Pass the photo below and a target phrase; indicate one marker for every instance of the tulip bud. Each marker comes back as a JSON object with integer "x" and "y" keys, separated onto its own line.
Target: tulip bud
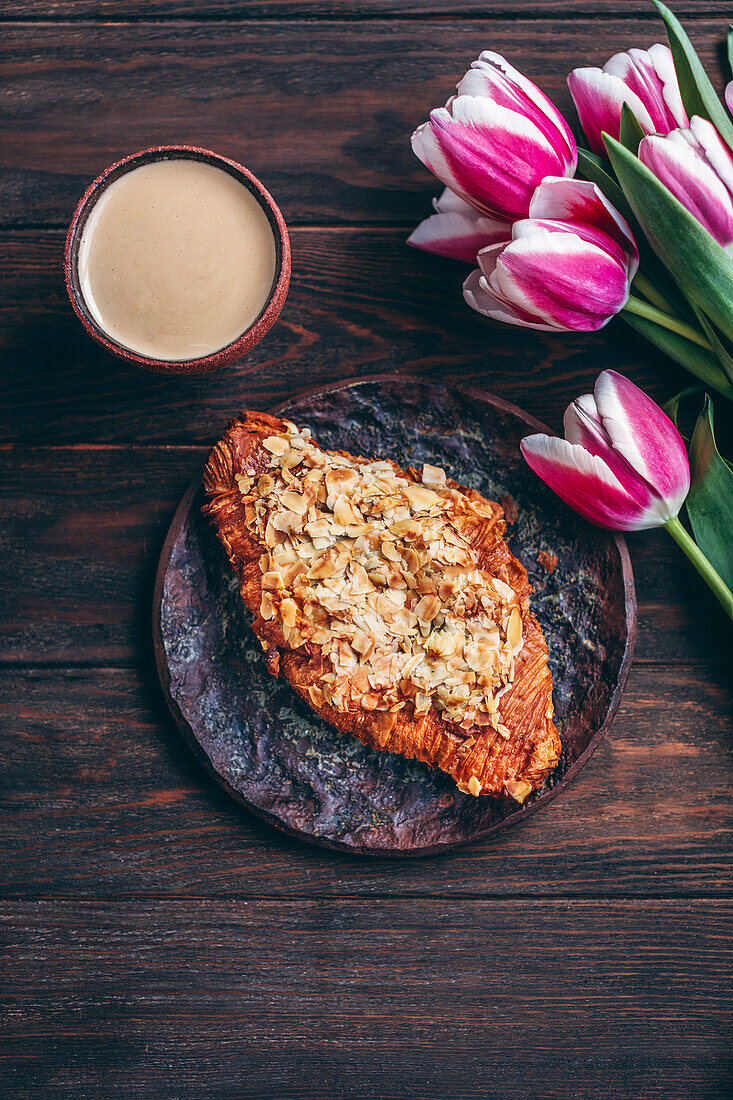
{"x": 696, "y": 165}
{"x": 622, "y": 464}
{"x": 645, "y": 79}
{"x": 457, "y": 230}
{"x": 496, "y": 139}
{"x": 568, "y": 266}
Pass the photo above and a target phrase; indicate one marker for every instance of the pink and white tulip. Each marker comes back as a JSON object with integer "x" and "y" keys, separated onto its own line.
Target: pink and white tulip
{"x": 496, "y": 139}
{"x": 696, "y": 165}
{"x": 622, "y": 463}
{"x": 569, "y": 266}
{"x": 457, "y": 230}
{"x": 645, "y": 79}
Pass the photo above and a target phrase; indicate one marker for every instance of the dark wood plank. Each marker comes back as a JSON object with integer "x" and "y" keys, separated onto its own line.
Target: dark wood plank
{"x": 322, "y": 112}
{"x": 101, "y": 796}
{"x": 379, "y": 998}
{"x": 338, "y": 9}
{"x": 82, "y": 531}
{"x": 361, "y": 302}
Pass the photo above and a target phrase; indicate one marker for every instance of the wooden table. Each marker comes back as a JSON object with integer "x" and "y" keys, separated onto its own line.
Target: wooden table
{"x": 159, "y": 942}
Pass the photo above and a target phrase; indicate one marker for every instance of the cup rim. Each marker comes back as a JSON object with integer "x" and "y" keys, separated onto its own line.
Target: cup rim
{"x": 247, "y": 339}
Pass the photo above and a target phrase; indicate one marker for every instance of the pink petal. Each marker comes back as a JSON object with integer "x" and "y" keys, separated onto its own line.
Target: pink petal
{"x": 492, "y": 76}
{"x": 478, "y": 296}
{"x": 650, "y": 75}
{"x": 458, "y": 236}
{"x": 583, "y": 424}
{"x": 729, "y": 96}
{"x": 691, "y": 180}
{"x": 448, "y": 202}
{"x": 579, "y": 201}
{"x": 560, "y": 279}
{"x": 489, "y": 155}
{"x": 599, "y": 97}
{"x": 585, "y": 482}
{"x": 647, "y": 439}
{"x": 709, "y": 143}
{"x": 663, "y": 62}
{"x": 428, "y": 149}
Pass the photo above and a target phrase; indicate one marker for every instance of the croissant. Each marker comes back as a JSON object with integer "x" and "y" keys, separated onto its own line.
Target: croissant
{"x": 390, "y": 601}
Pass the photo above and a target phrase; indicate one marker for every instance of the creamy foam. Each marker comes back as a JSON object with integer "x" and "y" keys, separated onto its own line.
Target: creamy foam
{"x": 177, "y": 259}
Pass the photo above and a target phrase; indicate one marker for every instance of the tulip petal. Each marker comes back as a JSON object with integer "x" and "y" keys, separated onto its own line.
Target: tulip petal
{"x": 599, "y": 97}
{"x": 650, "y": 74}
{"x": 647, "y": 439}
{"x": 458, "y": 236}
{"x": 492, "y": 76}
{"x": 448, "y": 202}
{"x": 708, "y": 142}
{"x": 583, "y": 424}
{"x": 489, "y": 155}
{"x": 663, "y": 62}
{"x": 559, "y": 278}
{"x": 585, "y": 482}
{"x": 478, "y": 296}
{"x": 580, "y": 201}
{"x": 691, "y": 179}
{"x": 729, "y": 96}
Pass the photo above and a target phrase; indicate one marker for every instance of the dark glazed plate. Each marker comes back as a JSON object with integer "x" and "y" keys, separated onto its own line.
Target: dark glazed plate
{"x": 272, "y": 753}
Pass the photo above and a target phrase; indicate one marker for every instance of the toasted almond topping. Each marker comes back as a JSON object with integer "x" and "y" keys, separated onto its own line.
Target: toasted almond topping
{"x": 474, "y": 787}
{"x": 420, "y": 498}
{"x": 514, "y": 630}
{"x": 374, "y": 569}
{"x": 518, "y": 789}
{"x": 428, "y": 608}
{"x": 272, "y": 580}
{"x": 276, "y": 445}
{"x": 433, "y": 476}
{"x": 289, "y": 612}
{"x": 295, "y": 502}
{"x": 317, "y": 697}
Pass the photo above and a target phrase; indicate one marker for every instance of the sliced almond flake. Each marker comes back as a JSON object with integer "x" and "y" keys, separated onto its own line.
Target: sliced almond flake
{"x": 518, "y": 789}
{"x": 433, "y": 476}
{"x": 276, "y": 445}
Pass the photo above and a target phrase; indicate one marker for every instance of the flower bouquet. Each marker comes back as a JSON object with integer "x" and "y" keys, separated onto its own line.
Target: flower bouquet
{"x": 646, "y": 234}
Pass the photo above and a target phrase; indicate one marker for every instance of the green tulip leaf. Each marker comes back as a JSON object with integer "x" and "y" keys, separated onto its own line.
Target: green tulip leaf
{"x": 598, "y": 171}
{"x": 730, "y": 48}
{"x": 698, "y": 94}
{"x": 630, "y": 132}
{"x": 710, "y": 500}
{"x": 693, "y": 358}
{"x": 722, "y": 347}
{"x": 672, "y": 406}
{"x": 697, "y": 263}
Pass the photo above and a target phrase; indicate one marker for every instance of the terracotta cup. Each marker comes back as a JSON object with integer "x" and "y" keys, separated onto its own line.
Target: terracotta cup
{"x": 251, "y": 336}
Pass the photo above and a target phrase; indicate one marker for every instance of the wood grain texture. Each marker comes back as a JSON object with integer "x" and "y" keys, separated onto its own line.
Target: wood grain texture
{"x": 82, "y": 531}
{"x": 361, "y": 302}
{"x": 101, "y": 797}
{"x": 156, "y": 940}
{"x": 236, "y": 999}
{"x": 345, "y": 97}
{"x": 342, "y": 9}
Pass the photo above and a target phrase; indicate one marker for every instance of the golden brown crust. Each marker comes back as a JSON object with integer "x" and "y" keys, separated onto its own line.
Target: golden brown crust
{"x": 517, "y": 764}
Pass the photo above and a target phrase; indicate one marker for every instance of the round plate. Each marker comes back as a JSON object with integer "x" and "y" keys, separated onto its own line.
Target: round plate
{"x": 271, "y": 752}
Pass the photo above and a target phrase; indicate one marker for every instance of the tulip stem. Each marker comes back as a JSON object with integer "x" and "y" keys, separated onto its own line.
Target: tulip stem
{"x": 648, "y": 289}
{"x": 666, "y": 320}
{"x": 711, "y": 577}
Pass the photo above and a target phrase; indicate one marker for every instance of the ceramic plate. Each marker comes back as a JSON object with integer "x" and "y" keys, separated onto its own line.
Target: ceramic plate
{"x": 272, "y": 753}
